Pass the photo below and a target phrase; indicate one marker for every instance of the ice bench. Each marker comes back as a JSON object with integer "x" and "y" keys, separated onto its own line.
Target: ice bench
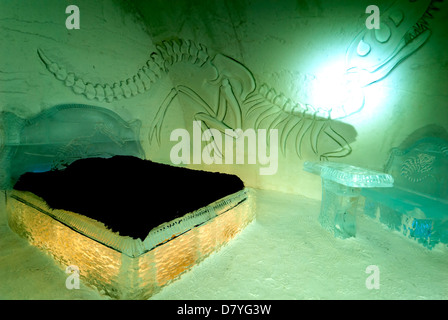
{"x": 417, "y": 204}
{"x": 341, "y": 188}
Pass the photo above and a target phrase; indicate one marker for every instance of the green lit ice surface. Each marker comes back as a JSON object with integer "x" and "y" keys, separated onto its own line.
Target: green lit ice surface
{"x": 417, "y": 205}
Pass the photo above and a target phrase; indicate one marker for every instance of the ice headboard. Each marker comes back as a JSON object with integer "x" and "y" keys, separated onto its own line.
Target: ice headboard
{"x": 60, "y": 135}
{"x": 422, "y": 167}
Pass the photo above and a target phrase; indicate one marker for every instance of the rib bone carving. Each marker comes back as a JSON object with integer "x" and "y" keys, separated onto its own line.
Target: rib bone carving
{"x": 370, "y": 57}
{"x": 168, "y": 53}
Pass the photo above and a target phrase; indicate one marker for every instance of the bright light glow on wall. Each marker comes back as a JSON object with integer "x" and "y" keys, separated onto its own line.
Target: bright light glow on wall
{"x": 335, "y": 90}
{"x": 342, "y": 92}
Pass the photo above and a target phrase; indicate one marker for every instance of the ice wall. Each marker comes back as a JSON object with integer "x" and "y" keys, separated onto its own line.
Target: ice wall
{"x": 296, "y": 48}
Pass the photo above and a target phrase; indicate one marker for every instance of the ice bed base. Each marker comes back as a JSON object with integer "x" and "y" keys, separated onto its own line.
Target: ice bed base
{"x": 107, "y": 267}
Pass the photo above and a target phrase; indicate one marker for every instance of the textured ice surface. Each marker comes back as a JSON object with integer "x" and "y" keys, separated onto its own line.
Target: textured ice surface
{"x": 417, "y": 216}
{"x": 349, "y": 175}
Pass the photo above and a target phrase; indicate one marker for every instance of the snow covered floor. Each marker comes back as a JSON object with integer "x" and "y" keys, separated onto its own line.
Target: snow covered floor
{"x": 284, "y": 254}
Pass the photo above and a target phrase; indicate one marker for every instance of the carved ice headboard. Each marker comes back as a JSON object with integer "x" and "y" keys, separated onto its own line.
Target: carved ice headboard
{"x": 422, "y": 167}
{"x": 60, "y": 135}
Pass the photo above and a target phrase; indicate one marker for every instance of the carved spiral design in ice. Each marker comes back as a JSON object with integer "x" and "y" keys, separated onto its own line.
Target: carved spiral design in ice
{"x": 417, "y": 168}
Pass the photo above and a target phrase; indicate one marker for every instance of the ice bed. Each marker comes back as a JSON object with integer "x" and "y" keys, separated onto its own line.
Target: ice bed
{"x": 130, "y": 226}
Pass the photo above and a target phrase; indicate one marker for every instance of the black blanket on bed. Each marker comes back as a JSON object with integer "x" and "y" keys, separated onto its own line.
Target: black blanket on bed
{"x": 129, "y": 195}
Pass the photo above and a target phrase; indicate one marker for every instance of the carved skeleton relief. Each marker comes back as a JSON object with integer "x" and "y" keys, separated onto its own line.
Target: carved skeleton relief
{"x": 236, "y": 98}
{"x": 229, "y": 97}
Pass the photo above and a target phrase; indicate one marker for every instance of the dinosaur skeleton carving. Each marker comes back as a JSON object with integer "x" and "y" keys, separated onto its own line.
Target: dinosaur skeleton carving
{"x": 372, "y": 53}
{"x": 236, "y": 91}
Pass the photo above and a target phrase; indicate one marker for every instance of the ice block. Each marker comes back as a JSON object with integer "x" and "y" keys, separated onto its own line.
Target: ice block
{"x": 341, "y": 187}
{"x": 119, "y": 266}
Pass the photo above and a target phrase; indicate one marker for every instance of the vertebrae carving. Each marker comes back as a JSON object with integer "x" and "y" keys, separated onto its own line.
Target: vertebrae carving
{"x": 168, "y": 53}
{"x": 263, "y": 103}
{"x": 369, "y": 54}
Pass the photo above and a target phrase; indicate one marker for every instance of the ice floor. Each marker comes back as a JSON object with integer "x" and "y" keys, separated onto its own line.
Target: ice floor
{"x": 284, "y": 254}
